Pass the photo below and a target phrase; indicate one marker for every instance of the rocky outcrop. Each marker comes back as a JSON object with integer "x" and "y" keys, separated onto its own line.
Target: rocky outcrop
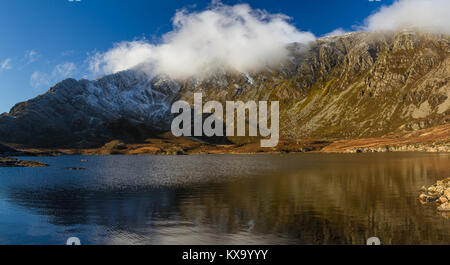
{"x": 438, "y": 194}
{"x": 162, "y": 147}
{"x": 113, "y": 148}
{"x": 13, "y": 162}
{"x": 353, "y": 86}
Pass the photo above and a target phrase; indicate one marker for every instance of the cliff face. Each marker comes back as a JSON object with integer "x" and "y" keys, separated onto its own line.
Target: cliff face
{"x": 351, "y": 86}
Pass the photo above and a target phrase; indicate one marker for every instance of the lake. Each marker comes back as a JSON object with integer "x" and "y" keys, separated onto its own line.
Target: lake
{"x": 224, "y": 199}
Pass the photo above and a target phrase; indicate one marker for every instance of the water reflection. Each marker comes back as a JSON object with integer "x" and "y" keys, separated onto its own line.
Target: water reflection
{"x": 227, "y": 199}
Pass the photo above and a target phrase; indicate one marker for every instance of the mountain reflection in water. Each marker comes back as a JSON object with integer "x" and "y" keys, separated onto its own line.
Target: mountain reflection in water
{"x": 224, "y": 199}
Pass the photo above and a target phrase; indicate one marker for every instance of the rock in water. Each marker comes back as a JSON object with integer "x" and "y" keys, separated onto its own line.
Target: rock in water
{"x": 445, "y": 207}
{"x": 13, "y": 162}
{"x": 76, "y": 168}
{"x": 439, "y": 193}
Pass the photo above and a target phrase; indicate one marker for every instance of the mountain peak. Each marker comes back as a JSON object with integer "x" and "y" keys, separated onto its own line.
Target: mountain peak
{"x": 356, "y": 85}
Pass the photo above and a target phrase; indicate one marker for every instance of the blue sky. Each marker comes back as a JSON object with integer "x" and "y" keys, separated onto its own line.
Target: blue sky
{"x": 45, "y": 41}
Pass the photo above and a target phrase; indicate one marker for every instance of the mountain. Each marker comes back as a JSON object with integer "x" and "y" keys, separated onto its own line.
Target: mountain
{"x": 128, "y": 105}
{"x": 6, "y": 149}
{"x": 352, "y": 86}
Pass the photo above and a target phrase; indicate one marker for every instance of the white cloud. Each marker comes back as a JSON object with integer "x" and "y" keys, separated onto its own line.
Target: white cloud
{"x": 68, "y": 53}
{"x": 336, "y": 32}
{"x": 426, "y": 15}
{"x": 233, "y": 37}
{"x": 42, "y": 80}
{"x": 5, "y": 64}
{"x": 31, "y": 56}
{"x": 64, "y": 70}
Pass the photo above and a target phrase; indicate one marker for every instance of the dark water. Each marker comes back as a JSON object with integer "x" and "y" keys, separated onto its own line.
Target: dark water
{"x": 224, "y": 199}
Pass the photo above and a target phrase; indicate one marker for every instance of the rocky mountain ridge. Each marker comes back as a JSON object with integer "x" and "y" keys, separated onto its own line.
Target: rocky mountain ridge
{"x": 347, "y": 87}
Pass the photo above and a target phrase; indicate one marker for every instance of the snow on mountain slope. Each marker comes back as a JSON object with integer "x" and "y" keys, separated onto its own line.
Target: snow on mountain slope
{"x": 128, "y": 104}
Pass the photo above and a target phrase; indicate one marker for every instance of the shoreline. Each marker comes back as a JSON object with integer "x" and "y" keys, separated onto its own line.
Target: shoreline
{"x": 431, "y": 140}
{"x": 15, "y": 161}
{"x": 232, "y": 150}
